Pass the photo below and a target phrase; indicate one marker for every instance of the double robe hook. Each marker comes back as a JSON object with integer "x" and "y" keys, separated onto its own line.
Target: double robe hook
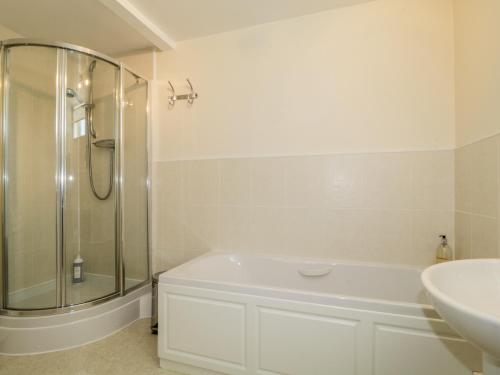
{"x": 189, "y": 97}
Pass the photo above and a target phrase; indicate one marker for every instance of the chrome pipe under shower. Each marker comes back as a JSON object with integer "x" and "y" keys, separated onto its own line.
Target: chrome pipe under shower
{"x": 92, "y": 134}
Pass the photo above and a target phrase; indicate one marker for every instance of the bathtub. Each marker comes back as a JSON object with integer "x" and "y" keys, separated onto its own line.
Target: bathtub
{"x": 227, "y": 313}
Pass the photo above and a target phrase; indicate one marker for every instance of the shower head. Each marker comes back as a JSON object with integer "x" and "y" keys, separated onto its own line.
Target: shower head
{"x": 92, "y": 66}
{"x": 70, "y": 93}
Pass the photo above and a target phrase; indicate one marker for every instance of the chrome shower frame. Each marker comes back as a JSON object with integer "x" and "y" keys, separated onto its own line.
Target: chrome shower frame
{"x": 3, "y": 266}
{"x": 62, "y": 306}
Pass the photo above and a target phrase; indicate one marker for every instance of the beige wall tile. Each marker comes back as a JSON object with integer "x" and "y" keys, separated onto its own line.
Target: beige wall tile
{"x": 388, "y": 235}
{"x": 388, "y": 180}
{"x": 484, "y": 237}
{"x": 305, "y": 181}
{"x": 284, "y": 205}
{"x": 485, "y": 177}
{"x": 168, "y": 205}
{"x": 305, "y": 232}
{"x": 171, "y": 232}
{"x": 202, "y": 182}
{"x": 379, "y": 180}
{"x": 462, "y": 235}
{"x": 463, "y": 182}
{"x": 433, "y": 180}
{"x": 345, "y": 238}
{"x": 476, "y": 199}
{"x": 200, "y": 229}
{"x": 476, "y": 169}
{"x": 268, "y": 232}
{"x": 235, "y": 182}
{"x": 370, "y": 235}
{"x": 235, "y": 228}
{"x": 346, "y": 181}
{"x": 268, "y": 182}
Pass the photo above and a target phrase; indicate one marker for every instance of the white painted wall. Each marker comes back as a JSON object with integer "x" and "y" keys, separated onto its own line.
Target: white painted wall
{"x": 377, "y": 76}
{"x": 477, "y": 69}
{"x": 374, "y": 77}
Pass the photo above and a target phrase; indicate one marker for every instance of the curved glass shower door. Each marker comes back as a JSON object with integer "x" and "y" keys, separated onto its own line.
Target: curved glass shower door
{"x": 74, "y": 178}
{"x": 135, "y": 180}
{"x": 90, "y": 166}
{"x": 30, "y": 169}
{"x": 60, "y": 205}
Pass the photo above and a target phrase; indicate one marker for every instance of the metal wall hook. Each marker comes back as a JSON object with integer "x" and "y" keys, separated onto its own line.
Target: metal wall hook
{"x": 172, "y": 98}
{"x": 189, "y": 97}
{"x": 192, "y": 95}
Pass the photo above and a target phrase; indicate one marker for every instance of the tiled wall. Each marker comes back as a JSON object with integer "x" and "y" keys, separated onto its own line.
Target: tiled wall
{"x": 477, "y": 190}
{"x": 385, "y": 207}
{"x": 223, "y": 193}
{"x": 477, "y": 83}
{"x": 30, "y": 167}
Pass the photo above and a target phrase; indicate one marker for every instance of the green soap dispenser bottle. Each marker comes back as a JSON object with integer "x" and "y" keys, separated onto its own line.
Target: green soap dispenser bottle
{"x": 444, "y": 252}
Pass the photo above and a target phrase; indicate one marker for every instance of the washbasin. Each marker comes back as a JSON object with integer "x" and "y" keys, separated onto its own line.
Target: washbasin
{"x": 466, "y": 293}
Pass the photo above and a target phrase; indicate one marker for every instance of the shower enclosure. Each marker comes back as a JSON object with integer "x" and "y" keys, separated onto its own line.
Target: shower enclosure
{"x": 74, "y": 186}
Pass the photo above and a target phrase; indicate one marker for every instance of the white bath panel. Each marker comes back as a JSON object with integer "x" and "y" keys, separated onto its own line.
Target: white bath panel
{"x": 202, "y": 331}
{"x": 223, "y": 322}
{"x": 205, "y": 330}
{"x": 304, "y": 344}
{"x": 428, "y": 352}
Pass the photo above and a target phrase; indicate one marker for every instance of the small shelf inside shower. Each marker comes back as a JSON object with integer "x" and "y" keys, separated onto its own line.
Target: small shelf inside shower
{"x": 105, "y": 143}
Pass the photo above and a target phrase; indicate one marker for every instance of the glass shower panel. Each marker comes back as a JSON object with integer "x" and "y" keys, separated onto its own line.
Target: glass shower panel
{"x": 90, "y": 206}
{"x": 30, "y": 165}
{"x": 135, "y": 180}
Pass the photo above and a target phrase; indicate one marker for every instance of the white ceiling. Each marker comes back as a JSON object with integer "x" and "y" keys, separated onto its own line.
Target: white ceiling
{"x": 84, "y": 22}
{"x": 183, "y": 20}
{"x": 119, "y": 26}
